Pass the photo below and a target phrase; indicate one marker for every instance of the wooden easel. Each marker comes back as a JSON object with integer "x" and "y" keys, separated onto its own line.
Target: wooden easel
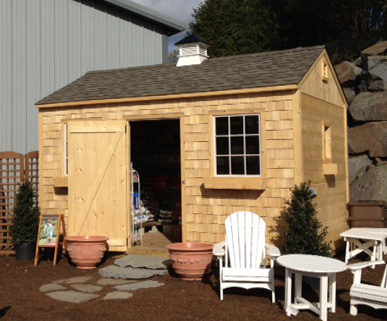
{"x": 40, "y": 243}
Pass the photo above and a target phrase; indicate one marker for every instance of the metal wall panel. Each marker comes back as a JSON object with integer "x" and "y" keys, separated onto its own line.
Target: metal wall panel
{"x": 74, "y": 39}
{"x": 47, "y": 50}
{"x": 45, "y": 44}
{"x": 112, "y": 25}
{"x": 87, "y": 47}
{"x": 5, "y": 76}
{"x": 19, "y": 65}
{"x": 61, "y": 43}
{"x": 33, "y": 73}
{"x": 100, "y": 39}
{"x": 123, "y": 32}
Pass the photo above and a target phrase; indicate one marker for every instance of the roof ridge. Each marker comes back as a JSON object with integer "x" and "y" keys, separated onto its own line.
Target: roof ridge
{"x": 131, "y": 68}
{"x": 271, "y": 52}
{"x": 245, "y": 56}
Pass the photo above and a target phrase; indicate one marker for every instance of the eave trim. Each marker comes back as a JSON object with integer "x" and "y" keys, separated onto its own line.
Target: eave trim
{"x": 168, "y": 97}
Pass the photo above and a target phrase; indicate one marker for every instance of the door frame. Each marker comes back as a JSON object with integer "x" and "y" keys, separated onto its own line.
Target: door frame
{"x": 173, "y": 116}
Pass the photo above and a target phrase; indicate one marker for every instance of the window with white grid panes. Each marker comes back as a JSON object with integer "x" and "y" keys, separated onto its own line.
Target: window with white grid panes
{"x": 237, "y": 145}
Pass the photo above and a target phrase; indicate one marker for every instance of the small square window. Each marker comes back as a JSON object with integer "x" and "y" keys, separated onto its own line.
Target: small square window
{"x": 327, "y": 143}
{"x": 238, "y": 145}
{"x": 222, "y": 126}
{"x": 222, "y": 146}
{"x": 236, "y": 125}
{"x": 223, "y": 165}
{"x": 324, "y": 70}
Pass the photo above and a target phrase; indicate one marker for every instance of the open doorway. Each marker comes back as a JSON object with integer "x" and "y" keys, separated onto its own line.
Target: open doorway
{"x": 155, "y": 156}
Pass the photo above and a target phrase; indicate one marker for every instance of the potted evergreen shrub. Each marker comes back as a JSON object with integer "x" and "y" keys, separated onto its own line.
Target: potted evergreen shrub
{"x": 25, "y": 223}
{"x": 305, "y": 234}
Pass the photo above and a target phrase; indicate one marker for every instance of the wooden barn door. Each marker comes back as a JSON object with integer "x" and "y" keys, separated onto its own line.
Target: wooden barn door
{"x": 98, "y": 181}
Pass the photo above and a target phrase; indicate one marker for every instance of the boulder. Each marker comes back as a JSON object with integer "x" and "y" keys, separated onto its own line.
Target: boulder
{"x": 377, "y": 65}
{"x": 347, "y": 71}
{"x": 371, "y": 138}
{"x": 357, "y": 166}
{"x": 377, "y": 49}
{"x": 371, "y": 186}
{"x": 350, "y": 94}
{"x": 375, "y": 83}
{"x": 378, "y": 161}
{"x": 369, "y": 106}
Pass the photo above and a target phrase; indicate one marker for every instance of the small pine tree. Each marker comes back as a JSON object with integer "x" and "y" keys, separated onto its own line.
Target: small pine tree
{"x": 305, "y": 234}
{"x": 25, "y": 221}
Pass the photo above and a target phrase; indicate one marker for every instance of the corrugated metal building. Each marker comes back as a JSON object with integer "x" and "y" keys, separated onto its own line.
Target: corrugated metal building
{"x": 45, "y": 44}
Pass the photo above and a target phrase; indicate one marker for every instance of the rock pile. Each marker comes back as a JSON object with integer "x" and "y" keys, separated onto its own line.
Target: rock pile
{"x": 365, "y": 86}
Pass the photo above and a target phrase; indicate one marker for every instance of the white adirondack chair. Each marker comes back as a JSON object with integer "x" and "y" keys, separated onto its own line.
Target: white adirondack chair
{"x": 243, "y": 256}
{"x": 367, "y": 294}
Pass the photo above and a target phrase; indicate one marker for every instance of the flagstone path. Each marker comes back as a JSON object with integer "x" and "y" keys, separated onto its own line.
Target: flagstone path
{"x": 120, "y": 280}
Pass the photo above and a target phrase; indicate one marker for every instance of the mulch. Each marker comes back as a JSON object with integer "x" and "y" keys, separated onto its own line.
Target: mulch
{"x": 20, "y": 298}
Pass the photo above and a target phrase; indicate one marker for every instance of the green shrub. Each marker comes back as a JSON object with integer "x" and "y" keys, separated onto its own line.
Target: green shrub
{"x": 305, "y": 234}
{"x": 25, "y": 218}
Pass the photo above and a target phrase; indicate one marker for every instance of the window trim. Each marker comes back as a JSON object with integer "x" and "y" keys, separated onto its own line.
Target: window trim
{"x": 324, "y": 70}
{"x": 329, "y": 168}
{"x": 244, "y": 155}
{"x": 236, "y": 182}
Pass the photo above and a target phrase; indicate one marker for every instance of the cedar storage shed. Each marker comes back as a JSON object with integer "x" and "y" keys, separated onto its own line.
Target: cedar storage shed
{"x": 207, "y": 139}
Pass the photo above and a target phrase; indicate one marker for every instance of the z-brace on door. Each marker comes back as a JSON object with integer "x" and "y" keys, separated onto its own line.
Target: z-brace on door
{"x": 98, "y": 181}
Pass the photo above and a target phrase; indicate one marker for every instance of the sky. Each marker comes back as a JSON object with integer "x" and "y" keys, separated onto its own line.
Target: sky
{"x": 177, "y": 9}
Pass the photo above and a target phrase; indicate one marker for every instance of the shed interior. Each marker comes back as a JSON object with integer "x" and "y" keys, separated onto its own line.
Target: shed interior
{"x": 155, "y": 155}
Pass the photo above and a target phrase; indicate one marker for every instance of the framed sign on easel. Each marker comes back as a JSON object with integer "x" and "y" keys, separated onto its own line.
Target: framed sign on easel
{"x": 50, "y": 228}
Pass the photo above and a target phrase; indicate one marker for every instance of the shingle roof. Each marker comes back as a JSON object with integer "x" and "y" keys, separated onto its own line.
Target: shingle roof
{"x": 266, "y": 69}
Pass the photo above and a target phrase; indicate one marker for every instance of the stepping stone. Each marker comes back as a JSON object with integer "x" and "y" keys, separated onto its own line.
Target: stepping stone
{"x": 72, "y": 296}
{"x": 139, "y": 285}
{"x": 88, "y": 288}
{"x": 116, "y": 272}
{"x": 113, "y": 282}
{"x": 77, "y": 279}
{"x": 51, "y": 287}
{"x": 142, "y": 261}
{"x": 118, "y": 295}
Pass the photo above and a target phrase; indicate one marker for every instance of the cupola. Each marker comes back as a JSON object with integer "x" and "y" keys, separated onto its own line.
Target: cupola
{"x": 192, "y": 51}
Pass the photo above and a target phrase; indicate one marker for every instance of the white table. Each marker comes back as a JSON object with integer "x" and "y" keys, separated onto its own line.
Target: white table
{"x": 369, "y": 240}
{"x": 323, "y": 268}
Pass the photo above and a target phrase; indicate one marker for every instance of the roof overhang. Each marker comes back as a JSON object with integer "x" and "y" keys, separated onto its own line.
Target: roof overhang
{"x": 169, "y": 97}
{"x": 173, "y": 25}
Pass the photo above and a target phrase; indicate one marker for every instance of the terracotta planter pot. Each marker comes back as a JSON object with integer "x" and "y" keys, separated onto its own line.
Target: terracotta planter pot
{"x": 190, "y": 261}
{"x": 86, "y": 252}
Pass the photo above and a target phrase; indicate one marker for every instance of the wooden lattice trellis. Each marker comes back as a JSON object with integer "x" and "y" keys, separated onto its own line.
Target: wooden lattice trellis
{"x": 14, "y": 169}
